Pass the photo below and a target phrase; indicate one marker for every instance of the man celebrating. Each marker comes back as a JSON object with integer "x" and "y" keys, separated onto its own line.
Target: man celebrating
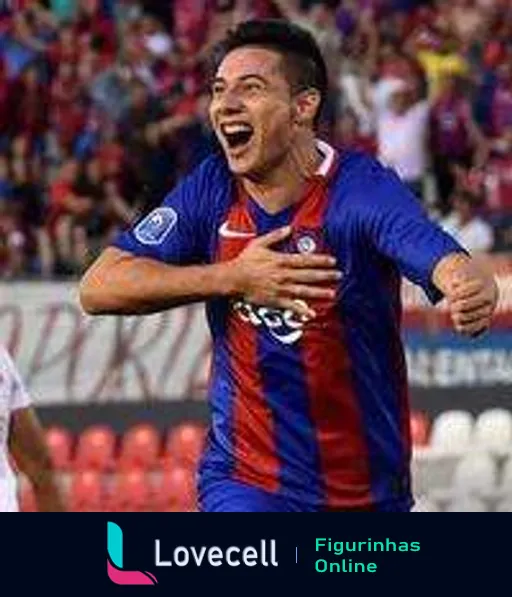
{"x": 297, "y": 252}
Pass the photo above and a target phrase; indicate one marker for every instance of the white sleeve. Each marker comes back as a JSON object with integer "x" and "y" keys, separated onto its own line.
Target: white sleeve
{"x": 12, "y": 383}
{"x": 351, "y": 86}
{"x": 423, "y": 108}
{"x": 381, "y": 94}
{"x": 485, "y": 238}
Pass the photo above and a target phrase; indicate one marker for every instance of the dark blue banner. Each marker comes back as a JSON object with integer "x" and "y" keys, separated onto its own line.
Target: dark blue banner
{"x": 449, "y": 360}
{"x": 201, "y": 554}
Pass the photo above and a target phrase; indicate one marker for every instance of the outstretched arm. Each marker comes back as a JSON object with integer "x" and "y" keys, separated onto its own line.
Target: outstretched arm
{"x": 471, "y": 291}
{"x": 428, "y": 256}
{"x": 119, "y": 283}
{"x": 124, "y": 284}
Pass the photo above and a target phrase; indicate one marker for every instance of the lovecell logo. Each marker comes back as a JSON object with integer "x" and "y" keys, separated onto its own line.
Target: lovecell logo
{"x": 115, "y": 561}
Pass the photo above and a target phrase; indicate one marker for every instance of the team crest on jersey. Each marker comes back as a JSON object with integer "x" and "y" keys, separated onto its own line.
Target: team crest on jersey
{"x": 307, "y": 241}
{"x": 155, "y": 227}
{"x": 306, "y": 244}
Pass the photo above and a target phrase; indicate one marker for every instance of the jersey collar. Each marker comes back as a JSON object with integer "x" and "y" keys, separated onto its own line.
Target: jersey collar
{"x": 329, "y": 162}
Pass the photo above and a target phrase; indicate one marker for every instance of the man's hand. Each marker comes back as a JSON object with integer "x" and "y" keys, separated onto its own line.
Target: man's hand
{"x": 471, "y": 292}
{"x": 282, "y": 280}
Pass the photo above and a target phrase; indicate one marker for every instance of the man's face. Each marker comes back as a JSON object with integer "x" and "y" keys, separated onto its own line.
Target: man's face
{"x": 252, "y": 110}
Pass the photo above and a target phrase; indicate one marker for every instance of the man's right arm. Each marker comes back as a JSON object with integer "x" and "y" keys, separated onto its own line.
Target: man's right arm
{"x": 153, "y": 265}
{"x": 121, "y": 283}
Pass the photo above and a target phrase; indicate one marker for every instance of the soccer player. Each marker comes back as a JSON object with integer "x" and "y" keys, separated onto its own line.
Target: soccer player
{"x": 21, "y": 435}
{"x": 297, "y": 252}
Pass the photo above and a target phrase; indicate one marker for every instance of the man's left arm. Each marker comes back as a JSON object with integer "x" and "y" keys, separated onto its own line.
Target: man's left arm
{"x": 471, "y": 292}
{"x": 425, "y": 254}
{"x": 28, "y": 448}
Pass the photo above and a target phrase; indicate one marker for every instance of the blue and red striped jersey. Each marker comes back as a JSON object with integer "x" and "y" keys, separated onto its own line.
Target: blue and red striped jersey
{"x": 316, "y": 411}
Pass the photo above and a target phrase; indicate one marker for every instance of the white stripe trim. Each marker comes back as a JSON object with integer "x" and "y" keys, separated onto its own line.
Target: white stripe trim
{"x": 329, "y": 155}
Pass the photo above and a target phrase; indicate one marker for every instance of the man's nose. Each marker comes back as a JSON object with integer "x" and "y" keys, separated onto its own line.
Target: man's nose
{"x": 231, "y": 102}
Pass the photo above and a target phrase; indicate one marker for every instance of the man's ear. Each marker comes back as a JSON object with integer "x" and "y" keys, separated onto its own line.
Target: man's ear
{"x": 306, "y": 106}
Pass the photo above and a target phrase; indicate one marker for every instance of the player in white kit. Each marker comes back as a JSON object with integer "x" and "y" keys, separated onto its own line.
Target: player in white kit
{"x": 22, "y": 436}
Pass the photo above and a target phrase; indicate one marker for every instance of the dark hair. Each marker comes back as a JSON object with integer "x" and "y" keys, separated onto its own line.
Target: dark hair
{"x": 303, "y": 63}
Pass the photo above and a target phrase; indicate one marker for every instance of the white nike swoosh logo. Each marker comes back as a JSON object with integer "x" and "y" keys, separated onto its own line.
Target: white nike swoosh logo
{"x": 226, "y": 232}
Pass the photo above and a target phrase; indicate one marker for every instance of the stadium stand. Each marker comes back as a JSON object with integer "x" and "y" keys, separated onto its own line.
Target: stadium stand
{"x": 493, "y": 430}
{"x": 60, "y": 445}
{"x": 129, "y": 492}
{"x": 86, "y": 492}
{"x": 140, "y": 448}
{"x": 175, "y": 491}
{"x": 452, "y": 431}
{"x": 471, "y": 476}
{"x": 95, "y": 449}
{"x": 107, "y": 110}
{"x": 183, "y": 444}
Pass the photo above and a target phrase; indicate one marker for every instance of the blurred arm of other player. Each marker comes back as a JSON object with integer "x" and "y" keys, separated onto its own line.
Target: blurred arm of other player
{"x": 427, "y": 255}
{"x": 28, "y": 448}
{"x": 24, "y": 438}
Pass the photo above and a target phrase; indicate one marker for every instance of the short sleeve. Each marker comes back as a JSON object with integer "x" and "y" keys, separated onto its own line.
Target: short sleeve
{"x": 12, "y": 384}
{"x": 176, "y": 231}
{"x": 400, "y": 229}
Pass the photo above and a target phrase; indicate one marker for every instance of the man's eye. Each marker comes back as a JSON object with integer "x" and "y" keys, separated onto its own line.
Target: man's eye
{"x": 217, "y": 89}
{"x": 253, "y": 87}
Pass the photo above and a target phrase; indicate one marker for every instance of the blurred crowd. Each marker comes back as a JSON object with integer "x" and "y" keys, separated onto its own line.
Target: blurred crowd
{"x": 103, "y": 107}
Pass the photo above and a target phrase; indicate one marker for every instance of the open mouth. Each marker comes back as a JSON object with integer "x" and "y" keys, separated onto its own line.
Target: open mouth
{"x": 237, "y": 135}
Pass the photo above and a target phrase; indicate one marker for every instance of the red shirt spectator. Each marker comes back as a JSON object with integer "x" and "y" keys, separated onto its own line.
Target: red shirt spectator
{"x": 111, "y": 157}
{"x": 65, "y": 49}
{"x": 30, "y": 104}
{"x": 501, "y": 108}
{"x": 5, "y": 101}
{"x": 71, "y": 122}
{"x": 167, "y": 76}
{"x": 191, "y": 19}
{"x": 347, "y": 135}
{"x": 493, "y": 54}
{"x": 449, "y": 125}
{"x": 19, "y": 5}
{"x": 12, "y": 244}
{"x": 65, "y": 89}
{"x": 92, "y": 24}
{"x": 264, "y": 9}
{"x": 60, "y": 191}
{"x": 498, "y": 183}
{"x": 186, "y": 106}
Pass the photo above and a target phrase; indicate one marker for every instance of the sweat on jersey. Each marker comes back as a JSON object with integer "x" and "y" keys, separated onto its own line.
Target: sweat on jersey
{"x": 315, "y": 411}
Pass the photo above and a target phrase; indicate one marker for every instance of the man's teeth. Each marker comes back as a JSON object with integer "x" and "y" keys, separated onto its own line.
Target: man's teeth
{"x": 234, "y": 129}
